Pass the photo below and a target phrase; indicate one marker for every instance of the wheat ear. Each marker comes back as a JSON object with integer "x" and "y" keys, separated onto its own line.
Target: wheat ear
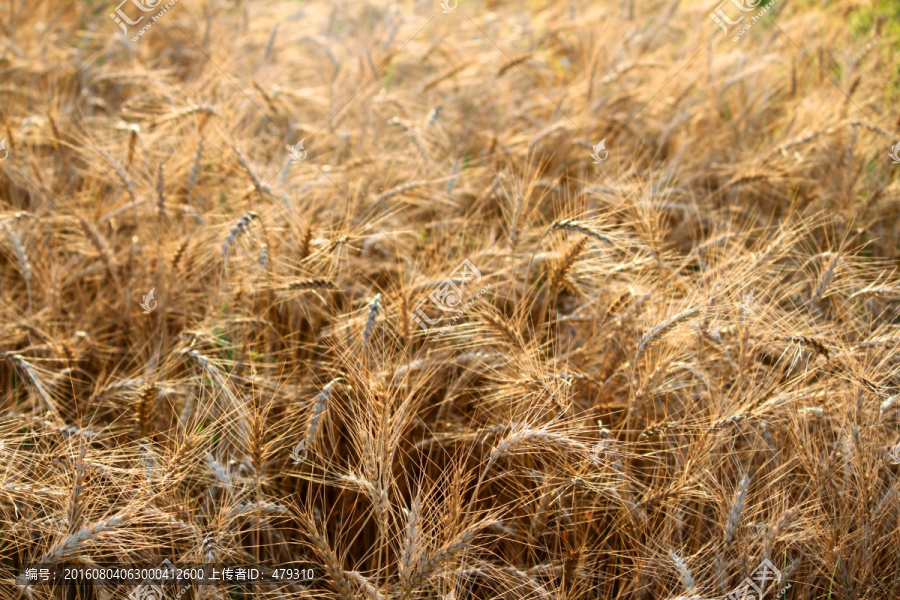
{"x": 319, "y": 410}
{"x": 663, "y": 328}
{"x": 160, "y": 190}
{"x": 876, "y": 292}
{"x": 374, "y": 310}
{"x": 257, "y": 183}
{"x": 413, "y": 541}
{"x": 826, "y": 278}
{"x": 574, "y": 226}
{"x": 310, "y": 284}
{"x": 426, "y": 566}
{"x": 737, "y": 506}
{"x": 19, "y": 361}
{"x": 195, "y": 168}
{"x": 687, "y": 578}
{"x": 241, "y": 227}
{"x": 77, "y": 540}
{"x": 333, "y": 567}
{"x": 573, "y": 252}
{"x": 24, "y": 265}
{"x": 121, "y": 174}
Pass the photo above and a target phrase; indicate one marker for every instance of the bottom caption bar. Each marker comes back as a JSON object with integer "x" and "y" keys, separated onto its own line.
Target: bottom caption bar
{"x": 165, "y": 573}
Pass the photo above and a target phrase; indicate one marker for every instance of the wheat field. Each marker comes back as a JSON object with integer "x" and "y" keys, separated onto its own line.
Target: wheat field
{"x": 464, "y": 299}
